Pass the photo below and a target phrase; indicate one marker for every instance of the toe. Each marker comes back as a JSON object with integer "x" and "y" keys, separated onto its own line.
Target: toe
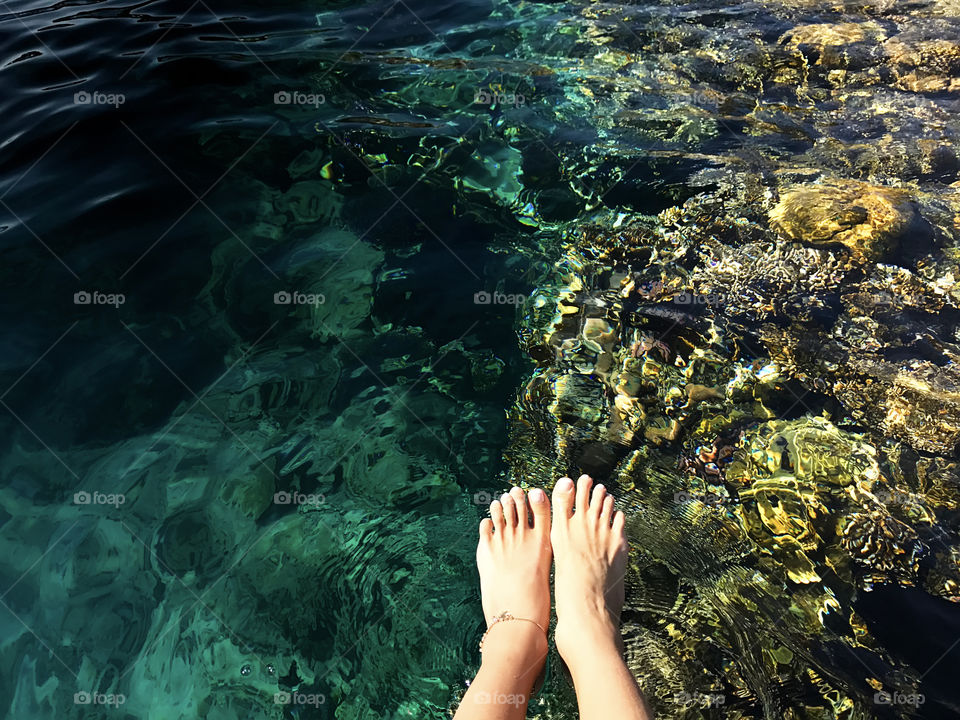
{"x": 562, "y": 501}
{"x": 540, "y": 508}
{"x": 520, "y": 502}
{"x": 583, "y": 493}
{"x": 486, "y": 529}
{"x": 618, "y": 547}
{"x": 496, "y": 516}
{"x": 607, "y": 513}
{"x": 618, "y": 523}
{"x": 596, "y": 500}
{"x": 509, "y": 511}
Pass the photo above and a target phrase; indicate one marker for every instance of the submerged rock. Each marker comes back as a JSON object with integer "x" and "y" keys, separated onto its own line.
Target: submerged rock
{"x": 837, "y": 45}
{"x": 926, "y": 59}
{"x": 919, "y": 403}
{"x": 870, "y": 220}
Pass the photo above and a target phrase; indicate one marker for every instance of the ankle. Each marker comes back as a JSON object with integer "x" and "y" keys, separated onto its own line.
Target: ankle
{"x": 514, "y": 641}
{"x": 580, "y": 640}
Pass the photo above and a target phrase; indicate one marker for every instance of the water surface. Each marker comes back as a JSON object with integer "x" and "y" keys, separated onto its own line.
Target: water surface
{"x": 291, "y": 290}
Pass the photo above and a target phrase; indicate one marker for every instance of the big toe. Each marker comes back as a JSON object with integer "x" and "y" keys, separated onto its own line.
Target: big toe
{"x": 540, "y": 507}
{"x": 562, "y": 501}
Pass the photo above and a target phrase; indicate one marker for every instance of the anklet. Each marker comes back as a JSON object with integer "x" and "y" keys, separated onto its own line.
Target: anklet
{"x": 502, "y": 617}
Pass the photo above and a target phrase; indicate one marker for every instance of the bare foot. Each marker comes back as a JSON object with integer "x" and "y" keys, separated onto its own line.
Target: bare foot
{"x": 513, "y": 558}
{"x": 591, "y": 556}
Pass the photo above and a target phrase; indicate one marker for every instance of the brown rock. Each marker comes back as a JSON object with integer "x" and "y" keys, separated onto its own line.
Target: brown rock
{"x": 925, "y": 63}
{"x": 837, "y": 45}
{"x": 869, "y": 219}
{"x": 923, "y": 406}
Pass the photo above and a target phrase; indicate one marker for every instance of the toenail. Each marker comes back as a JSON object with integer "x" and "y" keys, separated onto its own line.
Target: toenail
{"x": 537, "y": 495}
{"x": 564, "y": 484}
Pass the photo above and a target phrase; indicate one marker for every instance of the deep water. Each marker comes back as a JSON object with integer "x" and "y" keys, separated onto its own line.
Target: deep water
{"x": 269, "y": 279}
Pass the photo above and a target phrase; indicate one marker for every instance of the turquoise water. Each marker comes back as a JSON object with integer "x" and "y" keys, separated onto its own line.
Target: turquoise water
{"x": 274, "y": 276}
{"x": 181, "y": 581}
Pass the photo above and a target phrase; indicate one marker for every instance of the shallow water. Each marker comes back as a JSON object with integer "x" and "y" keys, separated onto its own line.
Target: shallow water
{"x": 281, "y": 289}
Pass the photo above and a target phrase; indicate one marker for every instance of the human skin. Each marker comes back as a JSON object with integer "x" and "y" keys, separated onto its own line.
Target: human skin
{"x": 590, "y": 551}
{"x": 513, "y": 557}
{"x": 514, "y": 554}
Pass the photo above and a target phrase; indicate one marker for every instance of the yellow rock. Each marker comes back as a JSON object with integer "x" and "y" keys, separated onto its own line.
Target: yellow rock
{"x": 869, "y": 219}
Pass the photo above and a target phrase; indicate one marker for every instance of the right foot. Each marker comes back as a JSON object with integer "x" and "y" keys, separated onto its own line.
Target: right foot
{"x": 590, "y": 552}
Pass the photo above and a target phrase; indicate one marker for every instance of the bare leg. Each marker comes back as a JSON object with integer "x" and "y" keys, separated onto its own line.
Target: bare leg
{"x": 591, "y": 556}
{"x": 513, "y": 558}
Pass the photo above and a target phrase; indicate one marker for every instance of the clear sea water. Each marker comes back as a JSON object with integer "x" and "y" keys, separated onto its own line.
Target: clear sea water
{"x": 253, "y": 407}
{"x": 151, "y": 171}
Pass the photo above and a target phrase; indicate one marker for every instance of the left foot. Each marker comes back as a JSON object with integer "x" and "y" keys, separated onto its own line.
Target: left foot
{"x": 513, "y": 558}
